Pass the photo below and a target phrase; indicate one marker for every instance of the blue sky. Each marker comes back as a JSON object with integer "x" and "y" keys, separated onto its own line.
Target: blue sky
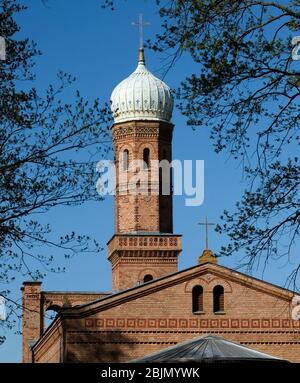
{"x": 100, "y": 48}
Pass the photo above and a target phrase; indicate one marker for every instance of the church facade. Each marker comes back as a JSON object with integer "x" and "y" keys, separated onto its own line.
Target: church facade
{"x": 152, "y": 305}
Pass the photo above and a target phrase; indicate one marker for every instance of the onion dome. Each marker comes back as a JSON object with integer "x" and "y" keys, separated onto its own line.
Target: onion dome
{"x": 141, "y": 96}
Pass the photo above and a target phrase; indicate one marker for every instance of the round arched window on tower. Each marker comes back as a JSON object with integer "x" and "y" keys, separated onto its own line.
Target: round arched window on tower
{"x": 125, "y": 160}
{"x": 146, "y": 158}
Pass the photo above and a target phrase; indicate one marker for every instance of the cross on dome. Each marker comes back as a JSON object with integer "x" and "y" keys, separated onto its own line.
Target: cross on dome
{"x": 141, "y": 24}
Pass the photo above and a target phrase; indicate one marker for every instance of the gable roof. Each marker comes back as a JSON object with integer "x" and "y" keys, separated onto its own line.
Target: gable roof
{"x": 207, "y": 349}
{"x": 173, "y": 279}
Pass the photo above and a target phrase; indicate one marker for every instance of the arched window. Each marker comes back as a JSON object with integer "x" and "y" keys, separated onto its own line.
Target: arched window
{"x": 50, "y": 314}
{"x": 148, "y": 278}
{"x": 125, "y": 159}
{"x": 146, "y": 158}
{"x": 218, "y": 296}
{"x": 197, "y": 299}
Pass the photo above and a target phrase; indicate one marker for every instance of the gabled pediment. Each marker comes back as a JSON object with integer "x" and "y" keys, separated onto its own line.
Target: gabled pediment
{"x": 208, "y": 274}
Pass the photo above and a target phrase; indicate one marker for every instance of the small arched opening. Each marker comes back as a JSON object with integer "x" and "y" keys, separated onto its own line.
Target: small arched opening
{"x": 218, "y": 299}
{"x": 146, "y": 158}
{"x": 148, "y": 278}
{"x": 125, "y": 160}
{"x": 50, "y": 314}
{"x": 197, "y": 294}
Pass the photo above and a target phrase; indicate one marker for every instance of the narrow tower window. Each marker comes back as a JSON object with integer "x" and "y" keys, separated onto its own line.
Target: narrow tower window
{"x": 148, "y": 278}
{"x": 146, "y": 158}
{"x": 125, "y": 159}
{"x": 197, "y": 299}
{"x": 218, "y": 296}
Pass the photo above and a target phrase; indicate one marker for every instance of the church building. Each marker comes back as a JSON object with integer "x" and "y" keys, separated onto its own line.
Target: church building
{"x": 152, "y": 305}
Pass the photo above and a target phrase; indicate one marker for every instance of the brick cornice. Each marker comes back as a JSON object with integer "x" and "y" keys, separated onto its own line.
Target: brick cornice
{"x": 128, "y": 245}
{"x": 142, "y": 129}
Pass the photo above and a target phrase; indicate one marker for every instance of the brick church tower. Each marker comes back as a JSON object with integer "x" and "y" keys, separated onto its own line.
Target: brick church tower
{"x": 143, "y": 246}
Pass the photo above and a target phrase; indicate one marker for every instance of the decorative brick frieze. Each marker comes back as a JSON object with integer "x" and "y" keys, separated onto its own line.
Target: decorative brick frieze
{"x": 184, "y": 323}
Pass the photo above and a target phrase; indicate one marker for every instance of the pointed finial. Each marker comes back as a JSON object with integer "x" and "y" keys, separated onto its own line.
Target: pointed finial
{"x": 207, "y": 255}
{"x": 141, "y": 56}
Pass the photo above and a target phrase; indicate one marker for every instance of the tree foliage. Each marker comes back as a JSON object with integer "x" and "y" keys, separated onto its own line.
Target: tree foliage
{"x": 48, "y": 151}
{"x": 246, "y": 91}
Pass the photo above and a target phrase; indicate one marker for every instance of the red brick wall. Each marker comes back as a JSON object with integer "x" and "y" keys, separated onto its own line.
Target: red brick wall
{"x": 142, "y": 212}
{"x": 36, "y": 303}
{"x": 32, "y": 320}
{"x": 133, "y": 256}
{"x": 51, "y": 354}
{"x": 130, "y": 272}
{"x": 136, "y": 328}
{"x": 49, "y": 349}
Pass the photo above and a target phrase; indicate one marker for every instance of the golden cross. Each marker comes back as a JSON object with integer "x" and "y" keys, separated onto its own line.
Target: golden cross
{"x": 206, "y": 223}
{"x": 140, "y": 24}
